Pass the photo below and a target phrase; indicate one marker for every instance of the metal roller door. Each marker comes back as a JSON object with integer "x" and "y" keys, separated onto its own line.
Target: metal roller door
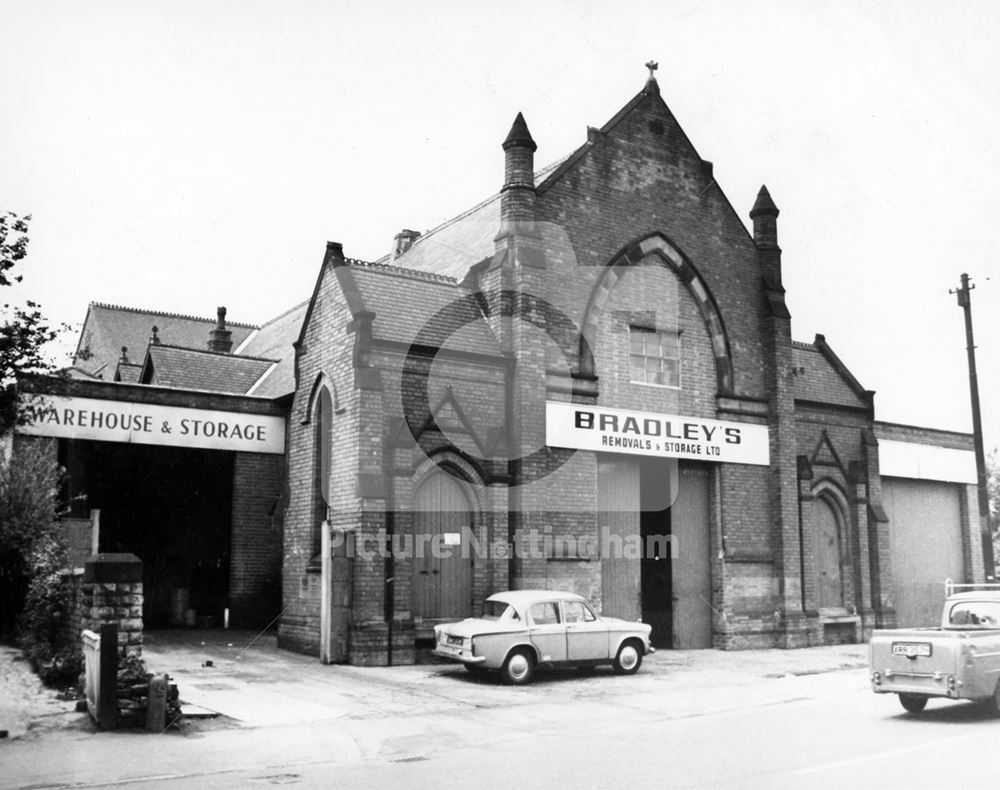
{"x": 925, "y": 529}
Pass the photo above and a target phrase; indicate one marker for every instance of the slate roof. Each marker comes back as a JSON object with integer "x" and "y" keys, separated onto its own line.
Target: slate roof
{"x": 404, "y": 300}
{"x": 453, "y": 246}
{"x": 208, "y": 371}
{"x": 109, "y": 327}
{"x": 274, "y": 341}
{"x": 817, "y": 380}
{"x": 128, "y": 373}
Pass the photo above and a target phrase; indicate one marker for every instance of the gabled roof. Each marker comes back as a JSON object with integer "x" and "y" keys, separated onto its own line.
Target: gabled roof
{"x": 207, "y": 371}
{"x": 275, "y": 340}
{"x": 404, "y": 302}
{"x": 820, "y": 377}
{"x": 128, "y": 373}
{"x": 109, "y": 327}
{"x": 454, "y": 246}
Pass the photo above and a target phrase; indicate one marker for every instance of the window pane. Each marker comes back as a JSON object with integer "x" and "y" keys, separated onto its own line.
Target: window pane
{"x": 654, "y": 356}
{"x": 545, "y": 613}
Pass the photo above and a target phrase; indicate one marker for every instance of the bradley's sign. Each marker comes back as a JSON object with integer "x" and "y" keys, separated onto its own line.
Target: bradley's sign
{"x": 142, "y": 423}
{"x": 644, "y": 433}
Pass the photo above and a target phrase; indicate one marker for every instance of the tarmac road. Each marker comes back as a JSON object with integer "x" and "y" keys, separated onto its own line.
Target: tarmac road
{"x": 778, "y": 719}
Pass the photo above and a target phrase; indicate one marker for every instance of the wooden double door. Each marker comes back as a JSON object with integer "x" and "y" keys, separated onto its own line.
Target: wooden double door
{"x": 442, "y": 562}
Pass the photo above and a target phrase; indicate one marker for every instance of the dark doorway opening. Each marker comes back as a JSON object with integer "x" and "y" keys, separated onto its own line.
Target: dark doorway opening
{"x": 657, "y": 478}
{"x": 172, "y": 508}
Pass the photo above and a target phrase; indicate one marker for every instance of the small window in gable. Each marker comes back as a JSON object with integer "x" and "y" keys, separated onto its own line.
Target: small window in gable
{"x": 654, "y": 356}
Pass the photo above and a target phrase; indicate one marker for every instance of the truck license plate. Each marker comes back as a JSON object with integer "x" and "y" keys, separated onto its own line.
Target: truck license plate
{"x": 911, "y": 649}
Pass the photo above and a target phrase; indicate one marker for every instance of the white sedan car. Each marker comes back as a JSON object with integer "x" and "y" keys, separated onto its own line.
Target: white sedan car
{"x": 522, "y": 630}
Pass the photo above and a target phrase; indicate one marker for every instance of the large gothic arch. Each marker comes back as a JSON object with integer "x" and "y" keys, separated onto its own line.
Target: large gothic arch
{"x": 656, "y": 249}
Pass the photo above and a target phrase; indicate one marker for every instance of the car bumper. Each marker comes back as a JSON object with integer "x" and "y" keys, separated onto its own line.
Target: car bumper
{"x": 457, "y": 655}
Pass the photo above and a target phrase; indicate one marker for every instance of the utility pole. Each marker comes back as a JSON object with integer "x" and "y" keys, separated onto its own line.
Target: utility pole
{"x": 965, "y": 302}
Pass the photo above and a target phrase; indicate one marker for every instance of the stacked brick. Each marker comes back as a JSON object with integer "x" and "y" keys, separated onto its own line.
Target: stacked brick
{"x": 111, "y": 593}
{"x": 133, "y": 702}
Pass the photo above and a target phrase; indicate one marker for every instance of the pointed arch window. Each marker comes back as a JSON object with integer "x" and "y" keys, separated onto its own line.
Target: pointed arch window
{"x": 322, "y": 422}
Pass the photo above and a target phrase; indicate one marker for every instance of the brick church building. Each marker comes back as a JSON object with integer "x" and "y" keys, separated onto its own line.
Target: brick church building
{"x": 459, "y": 385}
{"x": 586, "y": 382}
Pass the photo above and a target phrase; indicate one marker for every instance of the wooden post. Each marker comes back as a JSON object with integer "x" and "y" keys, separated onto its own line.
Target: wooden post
{"x": 107, "y": 690}
{"x": 326, "y": 592}
{"x": 95, "y": 530}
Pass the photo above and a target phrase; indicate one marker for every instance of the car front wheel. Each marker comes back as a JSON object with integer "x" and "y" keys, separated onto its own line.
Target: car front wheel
{"x": 518, "y": 668}
{"x": 912, "y": 703}
{"x": 629, "y": 659}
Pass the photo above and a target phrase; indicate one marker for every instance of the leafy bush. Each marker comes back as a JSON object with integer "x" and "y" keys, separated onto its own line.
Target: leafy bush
{"x": 44, "y": 635}
{"x": 35, "y": 583}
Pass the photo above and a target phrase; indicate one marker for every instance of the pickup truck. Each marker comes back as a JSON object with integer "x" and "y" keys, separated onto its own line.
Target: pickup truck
{"x": 960, "y": 659}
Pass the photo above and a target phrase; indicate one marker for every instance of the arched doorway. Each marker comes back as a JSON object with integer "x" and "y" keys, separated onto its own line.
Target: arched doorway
{"x": 827, "y": 522}
{"x": 442, "y": 554}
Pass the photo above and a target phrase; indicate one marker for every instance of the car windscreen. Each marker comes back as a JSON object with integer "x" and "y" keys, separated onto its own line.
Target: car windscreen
{"x": 974, "y": 614}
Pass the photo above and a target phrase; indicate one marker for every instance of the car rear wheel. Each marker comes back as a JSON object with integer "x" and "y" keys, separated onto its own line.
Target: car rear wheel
{"x": 629, "y": 659}
{"x": 518, "y": 668}
{"x": 996, "y": 699}
{"x": 913, "y": 703}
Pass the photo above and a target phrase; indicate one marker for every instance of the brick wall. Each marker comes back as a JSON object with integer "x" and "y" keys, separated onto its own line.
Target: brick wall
{"x": 255, "y": 550}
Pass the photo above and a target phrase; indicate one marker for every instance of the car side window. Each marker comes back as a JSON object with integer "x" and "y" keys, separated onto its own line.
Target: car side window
{"x": 545, "y": 613}
{"x": 578, "y": 612}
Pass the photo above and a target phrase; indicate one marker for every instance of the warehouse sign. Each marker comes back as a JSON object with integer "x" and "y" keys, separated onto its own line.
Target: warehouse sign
{"x": 144, "y": 423}
{"x": 643, "y": 433}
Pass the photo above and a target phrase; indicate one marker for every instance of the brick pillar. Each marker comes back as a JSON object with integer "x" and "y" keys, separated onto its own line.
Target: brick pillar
{"x": 112, "y": 595}
{"x": 255, "y": 556}
{"x": 784, "y": 486}
{"x": 861, "y": 552}
{"x": 369, "y": 633}
{"x": 879, "y": 548}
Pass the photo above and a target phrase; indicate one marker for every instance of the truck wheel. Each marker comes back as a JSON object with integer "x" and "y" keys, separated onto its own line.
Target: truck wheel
{"x": 913, "y": 703}
{"x": 629, "y": 659}
{"x": 518, "y": 668}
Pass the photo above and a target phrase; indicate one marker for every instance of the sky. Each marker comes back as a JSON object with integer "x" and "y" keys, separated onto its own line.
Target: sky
{"x": 180, "y": 156}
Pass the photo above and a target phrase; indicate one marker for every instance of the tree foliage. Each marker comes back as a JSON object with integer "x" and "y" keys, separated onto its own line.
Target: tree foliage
{"x": 34, "y": 588}
{"x": 29, "y": 488}
{"x": 24, "y": 332}
{"x": 13, "y": 245}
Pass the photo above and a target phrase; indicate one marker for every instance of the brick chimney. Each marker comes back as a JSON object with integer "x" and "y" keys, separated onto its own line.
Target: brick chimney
{"x": 402, "y": 242}
{"x": 220, "y": 339}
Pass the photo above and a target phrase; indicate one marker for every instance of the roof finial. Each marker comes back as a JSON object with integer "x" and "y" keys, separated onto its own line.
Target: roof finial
{"x": 651, "y": 84}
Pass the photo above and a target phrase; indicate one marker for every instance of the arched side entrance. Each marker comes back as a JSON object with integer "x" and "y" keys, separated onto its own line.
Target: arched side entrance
{"x": 828, "y": 539}
{"x": 442, "y": 563}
